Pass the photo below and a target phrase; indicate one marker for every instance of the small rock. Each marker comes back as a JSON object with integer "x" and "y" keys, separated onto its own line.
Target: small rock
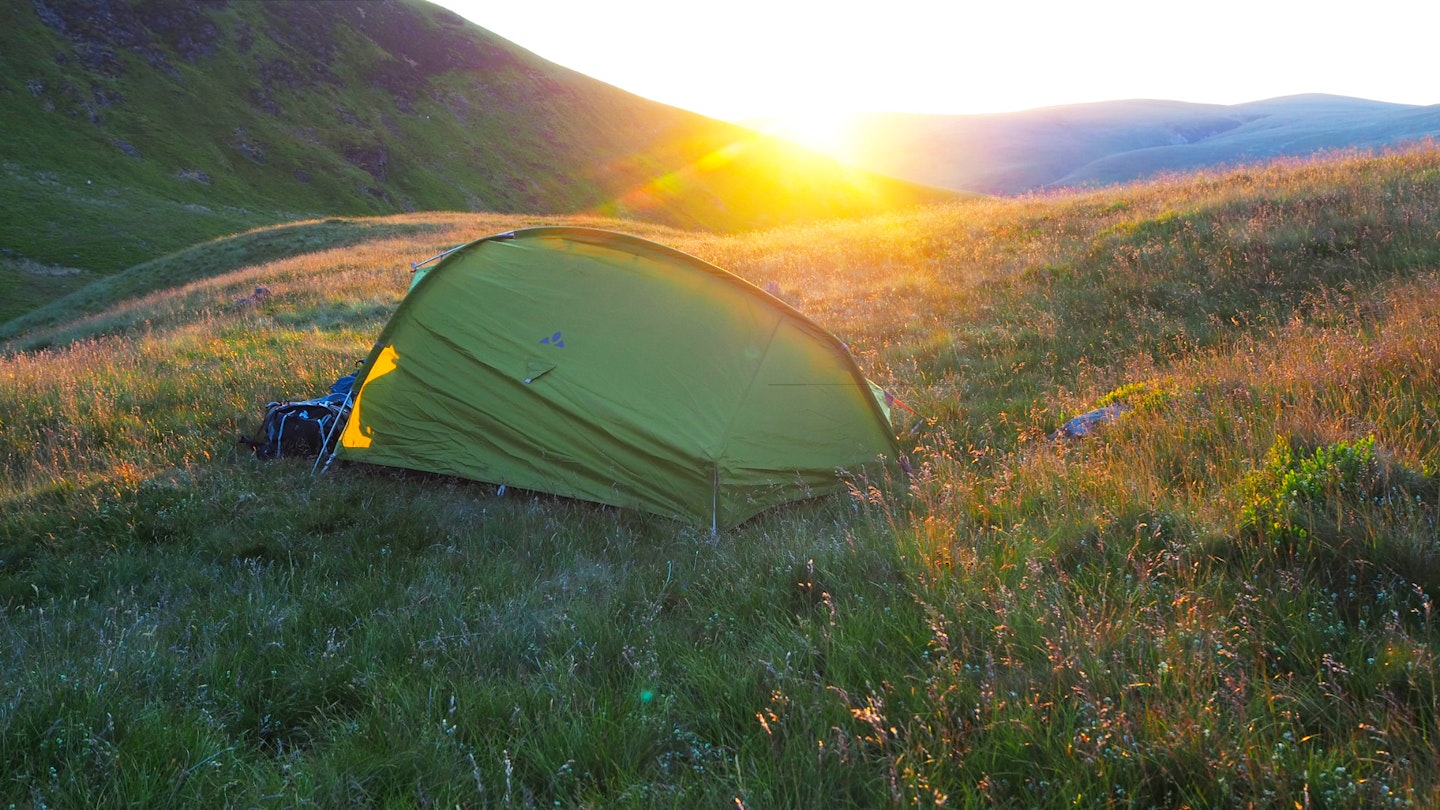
{"x": 1086, "y": 423}
{"x": 260, "y": 296}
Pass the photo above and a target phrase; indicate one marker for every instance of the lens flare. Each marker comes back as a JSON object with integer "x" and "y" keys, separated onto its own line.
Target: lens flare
{"x": 828, "y": 131}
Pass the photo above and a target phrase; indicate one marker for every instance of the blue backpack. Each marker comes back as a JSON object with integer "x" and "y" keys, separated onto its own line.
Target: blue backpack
{"x": 303, "y": 429}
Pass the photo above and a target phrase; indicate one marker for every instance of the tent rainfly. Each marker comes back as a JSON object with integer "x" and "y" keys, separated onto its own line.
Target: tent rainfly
{"x": 600, "y": 366}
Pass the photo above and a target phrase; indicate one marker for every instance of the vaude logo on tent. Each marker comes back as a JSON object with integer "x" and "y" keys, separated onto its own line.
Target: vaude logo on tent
{"x": 554, "y": 340}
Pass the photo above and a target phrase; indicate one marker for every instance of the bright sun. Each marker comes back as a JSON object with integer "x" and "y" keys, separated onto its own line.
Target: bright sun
{"x": 825, "y": 131}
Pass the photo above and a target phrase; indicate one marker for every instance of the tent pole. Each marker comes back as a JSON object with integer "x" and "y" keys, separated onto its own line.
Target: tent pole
{"x": 330, "y": 434}
{"x": 415, "y": 266}
{"x": 715, "y": 503}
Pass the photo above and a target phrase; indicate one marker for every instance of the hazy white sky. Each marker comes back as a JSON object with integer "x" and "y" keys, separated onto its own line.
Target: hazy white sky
{"x": 739, "y": 59}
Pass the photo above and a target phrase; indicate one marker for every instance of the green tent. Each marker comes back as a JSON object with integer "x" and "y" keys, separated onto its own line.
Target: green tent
{"x": 604, "y": 367}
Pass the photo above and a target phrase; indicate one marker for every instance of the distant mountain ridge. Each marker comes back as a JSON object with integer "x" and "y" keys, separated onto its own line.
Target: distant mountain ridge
{"x": 134, "y": 128}
{"x": 1119, "y": 141}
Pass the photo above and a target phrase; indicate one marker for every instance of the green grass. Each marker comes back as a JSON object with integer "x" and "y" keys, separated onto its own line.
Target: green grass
{"x": 25, "y": 285}
{"x": 1223, "y": 599}
{"x": 197, "y": 262}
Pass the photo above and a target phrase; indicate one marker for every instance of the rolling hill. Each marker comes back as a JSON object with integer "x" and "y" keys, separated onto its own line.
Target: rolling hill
{"x": 134, "y": 129}
{"x": 1119, "y": 141}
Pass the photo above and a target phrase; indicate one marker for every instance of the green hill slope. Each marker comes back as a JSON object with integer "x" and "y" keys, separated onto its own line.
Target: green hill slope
{"x": 136, "y": 129}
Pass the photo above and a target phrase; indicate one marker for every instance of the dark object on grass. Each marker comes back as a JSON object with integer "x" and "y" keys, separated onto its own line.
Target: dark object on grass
{"x": 303, "y": 429}
{"x": 1086, "y": 423}
{"x": 260, "y": 296}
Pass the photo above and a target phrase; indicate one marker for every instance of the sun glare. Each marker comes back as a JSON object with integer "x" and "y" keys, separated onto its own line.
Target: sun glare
{"x": 828, "y": 131}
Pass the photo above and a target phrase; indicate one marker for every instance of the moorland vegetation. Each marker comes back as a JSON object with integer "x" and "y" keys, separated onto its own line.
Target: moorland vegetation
{"x": 1224, "y": 598}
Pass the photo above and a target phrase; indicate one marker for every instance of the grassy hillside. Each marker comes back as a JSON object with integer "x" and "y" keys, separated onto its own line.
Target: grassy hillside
{"x": 136, "y": 129}
{"x": 1224, "y": 598}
